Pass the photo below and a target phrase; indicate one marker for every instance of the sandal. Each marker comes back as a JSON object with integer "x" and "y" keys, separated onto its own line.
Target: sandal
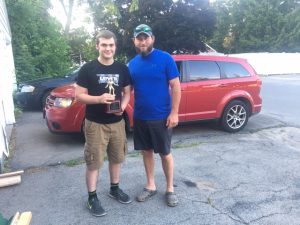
{"x": 145, "y": 194}
{"x": 171, "y": 199}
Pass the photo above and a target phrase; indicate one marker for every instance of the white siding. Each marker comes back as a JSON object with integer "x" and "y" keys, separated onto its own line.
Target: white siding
{"x": 8, "y": 79}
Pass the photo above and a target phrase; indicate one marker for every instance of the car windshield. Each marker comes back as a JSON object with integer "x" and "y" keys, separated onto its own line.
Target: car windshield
{"x": 73, "y": 73}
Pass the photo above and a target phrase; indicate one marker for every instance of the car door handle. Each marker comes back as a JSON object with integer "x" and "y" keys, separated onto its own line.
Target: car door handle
{"x": 223, "y": 85}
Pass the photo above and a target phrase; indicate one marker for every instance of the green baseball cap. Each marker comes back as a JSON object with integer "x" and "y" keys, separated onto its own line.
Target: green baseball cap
{"x": 142, "y": 29}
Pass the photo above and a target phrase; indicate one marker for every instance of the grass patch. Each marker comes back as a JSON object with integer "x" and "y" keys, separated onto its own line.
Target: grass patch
{"x": 134, "y": 154}
{"x": 74, "y": 162}
{"x": 18, "y": 112}
{"x": 209, "y": 201}
{"x": 186, "y": 145}
{"x": 11, "y": 148}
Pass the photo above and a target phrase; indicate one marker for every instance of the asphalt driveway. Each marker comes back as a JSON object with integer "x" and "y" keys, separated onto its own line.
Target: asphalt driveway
{"x": 251, "y": 177}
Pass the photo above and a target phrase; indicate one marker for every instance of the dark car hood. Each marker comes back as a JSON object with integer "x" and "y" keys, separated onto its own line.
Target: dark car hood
{"x": 50, "y": 83}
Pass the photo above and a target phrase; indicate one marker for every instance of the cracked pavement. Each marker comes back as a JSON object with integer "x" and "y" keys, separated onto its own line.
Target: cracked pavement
{"x": 251, "y": 177}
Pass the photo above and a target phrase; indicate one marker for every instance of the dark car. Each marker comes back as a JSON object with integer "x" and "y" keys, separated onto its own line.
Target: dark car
{"x": 221, "y": 88}
{"x": 33, "y": 93}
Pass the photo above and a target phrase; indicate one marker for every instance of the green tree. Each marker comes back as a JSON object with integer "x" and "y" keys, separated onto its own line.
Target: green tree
{"x": 289, "y": 37}
{"x": 83, "y": 46}
{"x": 257, "y": 25}
{"x": 38, "y": 45}
{"x": 180, "y": 27}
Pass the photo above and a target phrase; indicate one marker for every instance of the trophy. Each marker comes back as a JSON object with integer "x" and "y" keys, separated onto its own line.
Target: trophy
{"x": 115, "y": 105}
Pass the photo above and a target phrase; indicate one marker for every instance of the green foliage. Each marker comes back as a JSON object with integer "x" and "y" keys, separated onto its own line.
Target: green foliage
{"x": 83, "y": 46}
{"x": 257, "y": 25}
{"x": 38, "y": 45}
{"x": 17, "y": 111}
{"x": 180, "y": 27}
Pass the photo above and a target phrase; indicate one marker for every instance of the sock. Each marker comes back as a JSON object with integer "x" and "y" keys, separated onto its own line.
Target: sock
{"x": 114, "y": 187}
{"x": 92, "y": 194}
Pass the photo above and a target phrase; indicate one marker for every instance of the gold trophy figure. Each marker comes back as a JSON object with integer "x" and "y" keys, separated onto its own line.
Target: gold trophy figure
{"x": 114, "y": 106}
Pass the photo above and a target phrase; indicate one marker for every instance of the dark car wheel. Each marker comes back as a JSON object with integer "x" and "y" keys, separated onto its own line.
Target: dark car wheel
{"x": 235, "y": 116}
{"x": 44, "y": 98}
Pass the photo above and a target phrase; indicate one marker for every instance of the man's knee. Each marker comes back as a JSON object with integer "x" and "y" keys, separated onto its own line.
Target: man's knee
{"x": 166, "y": 157}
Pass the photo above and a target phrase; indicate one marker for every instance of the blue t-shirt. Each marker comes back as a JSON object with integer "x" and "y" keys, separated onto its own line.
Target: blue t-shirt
{"x": 150, "y": 76}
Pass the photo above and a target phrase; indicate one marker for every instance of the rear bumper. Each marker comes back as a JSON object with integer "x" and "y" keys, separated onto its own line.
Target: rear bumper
{"x": 256, "y": 109}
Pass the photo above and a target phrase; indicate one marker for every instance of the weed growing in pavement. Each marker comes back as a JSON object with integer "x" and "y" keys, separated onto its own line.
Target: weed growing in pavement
{"x": 186, "y": 145}
{"x": 74, "y": 162}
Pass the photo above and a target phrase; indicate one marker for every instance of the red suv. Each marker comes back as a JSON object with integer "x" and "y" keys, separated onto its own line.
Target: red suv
{"x": 212, "y": 87}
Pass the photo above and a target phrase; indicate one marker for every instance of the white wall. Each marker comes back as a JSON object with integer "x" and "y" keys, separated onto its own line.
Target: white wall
{"x": 273, "y": 63}
{"x": 7, "y": 79}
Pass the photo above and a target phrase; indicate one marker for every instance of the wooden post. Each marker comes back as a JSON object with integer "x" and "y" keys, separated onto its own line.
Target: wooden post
{"x": 12, "y": 178}
{"x": 23, "y": 219}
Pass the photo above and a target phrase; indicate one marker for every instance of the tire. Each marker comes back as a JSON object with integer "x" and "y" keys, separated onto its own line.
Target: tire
{"x": 235, "y": 116}
{"x": 44, "y": 98}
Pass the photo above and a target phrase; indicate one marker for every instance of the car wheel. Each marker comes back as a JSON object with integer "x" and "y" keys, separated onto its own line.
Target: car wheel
{"x": 235, "y": 116}
{"x": 44, "y": 98}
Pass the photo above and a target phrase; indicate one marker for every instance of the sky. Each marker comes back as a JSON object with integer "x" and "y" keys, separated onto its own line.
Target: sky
{"x": 79, "y": 18}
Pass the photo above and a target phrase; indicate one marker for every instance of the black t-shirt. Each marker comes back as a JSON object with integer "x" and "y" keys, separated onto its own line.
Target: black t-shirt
{"x": 94, "y": 76}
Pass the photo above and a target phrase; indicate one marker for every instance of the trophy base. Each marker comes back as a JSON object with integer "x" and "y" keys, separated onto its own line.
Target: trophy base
{"x": 114, "y": 107}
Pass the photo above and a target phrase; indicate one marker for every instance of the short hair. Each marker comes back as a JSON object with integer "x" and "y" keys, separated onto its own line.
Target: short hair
{"x": 105, "y": 34}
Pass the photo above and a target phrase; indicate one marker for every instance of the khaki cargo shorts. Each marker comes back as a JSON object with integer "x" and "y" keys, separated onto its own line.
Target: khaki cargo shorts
{"x": 102, "y": 139}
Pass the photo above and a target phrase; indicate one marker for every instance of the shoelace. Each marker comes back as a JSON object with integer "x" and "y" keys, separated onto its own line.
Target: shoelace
{"x": 121, "y": 193}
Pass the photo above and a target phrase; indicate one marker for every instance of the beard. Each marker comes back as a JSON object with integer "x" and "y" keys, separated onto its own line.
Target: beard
{"x": 144, "y": 53}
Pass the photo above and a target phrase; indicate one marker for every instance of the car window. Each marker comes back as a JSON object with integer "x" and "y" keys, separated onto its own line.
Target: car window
{"x": 73, "y": 73}
{"x": 233, "y": 70}
{"x": 203, "y": 70}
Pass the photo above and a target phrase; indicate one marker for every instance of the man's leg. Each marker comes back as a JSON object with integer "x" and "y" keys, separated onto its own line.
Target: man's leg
{"x": 91, "y": 179}
{"x": 116, "y": 192}
{"x": 148, "y": 157}
{"x": 94, "y": 155}
{"x": 114, "y": 171}
{"x": 93, "y": 204}
{"x": 150, "y": 190}
{"x": 116, "y": 152}
{"x": 168, "y": 167}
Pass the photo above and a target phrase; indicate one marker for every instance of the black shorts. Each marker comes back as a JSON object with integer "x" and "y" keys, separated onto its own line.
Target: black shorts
{"x": 153, "y": 134}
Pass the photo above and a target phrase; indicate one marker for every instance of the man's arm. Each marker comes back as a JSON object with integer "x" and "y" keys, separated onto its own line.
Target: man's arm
{"x": 125, "y": 99}
{"x": 81, "y": 94}
{"x": 126, "y": 96}
{"x": 172, "y": 120}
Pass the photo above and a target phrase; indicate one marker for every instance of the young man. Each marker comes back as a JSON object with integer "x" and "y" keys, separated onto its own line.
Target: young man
{"x": 153, "y": 72}
{"x": 104, "y": 131}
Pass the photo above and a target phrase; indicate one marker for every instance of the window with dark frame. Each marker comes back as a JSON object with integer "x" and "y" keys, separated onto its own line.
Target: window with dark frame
{"x": 233, "y": 70}
{"x": 203, "y": 70}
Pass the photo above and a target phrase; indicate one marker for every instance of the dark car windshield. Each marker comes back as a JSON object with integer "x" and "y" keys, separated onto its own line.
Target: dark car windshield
{"x": 73, "y": 73}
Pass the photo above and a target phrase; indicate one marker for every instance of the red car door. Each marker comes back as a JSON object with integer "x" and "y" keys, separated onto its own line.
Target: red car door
{"x": 204, "y": 91}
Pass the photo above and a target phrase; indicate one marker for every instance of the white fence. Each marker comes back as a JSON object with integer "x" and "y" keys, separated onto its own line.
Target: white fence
{"x": 273, "y": 63}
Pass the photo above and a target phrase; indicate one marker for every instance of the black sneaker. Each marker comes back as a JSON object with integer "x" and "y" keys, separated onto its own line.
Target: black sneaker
{"x": 95, "y": 207}
{"x": 120, "y": 196}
